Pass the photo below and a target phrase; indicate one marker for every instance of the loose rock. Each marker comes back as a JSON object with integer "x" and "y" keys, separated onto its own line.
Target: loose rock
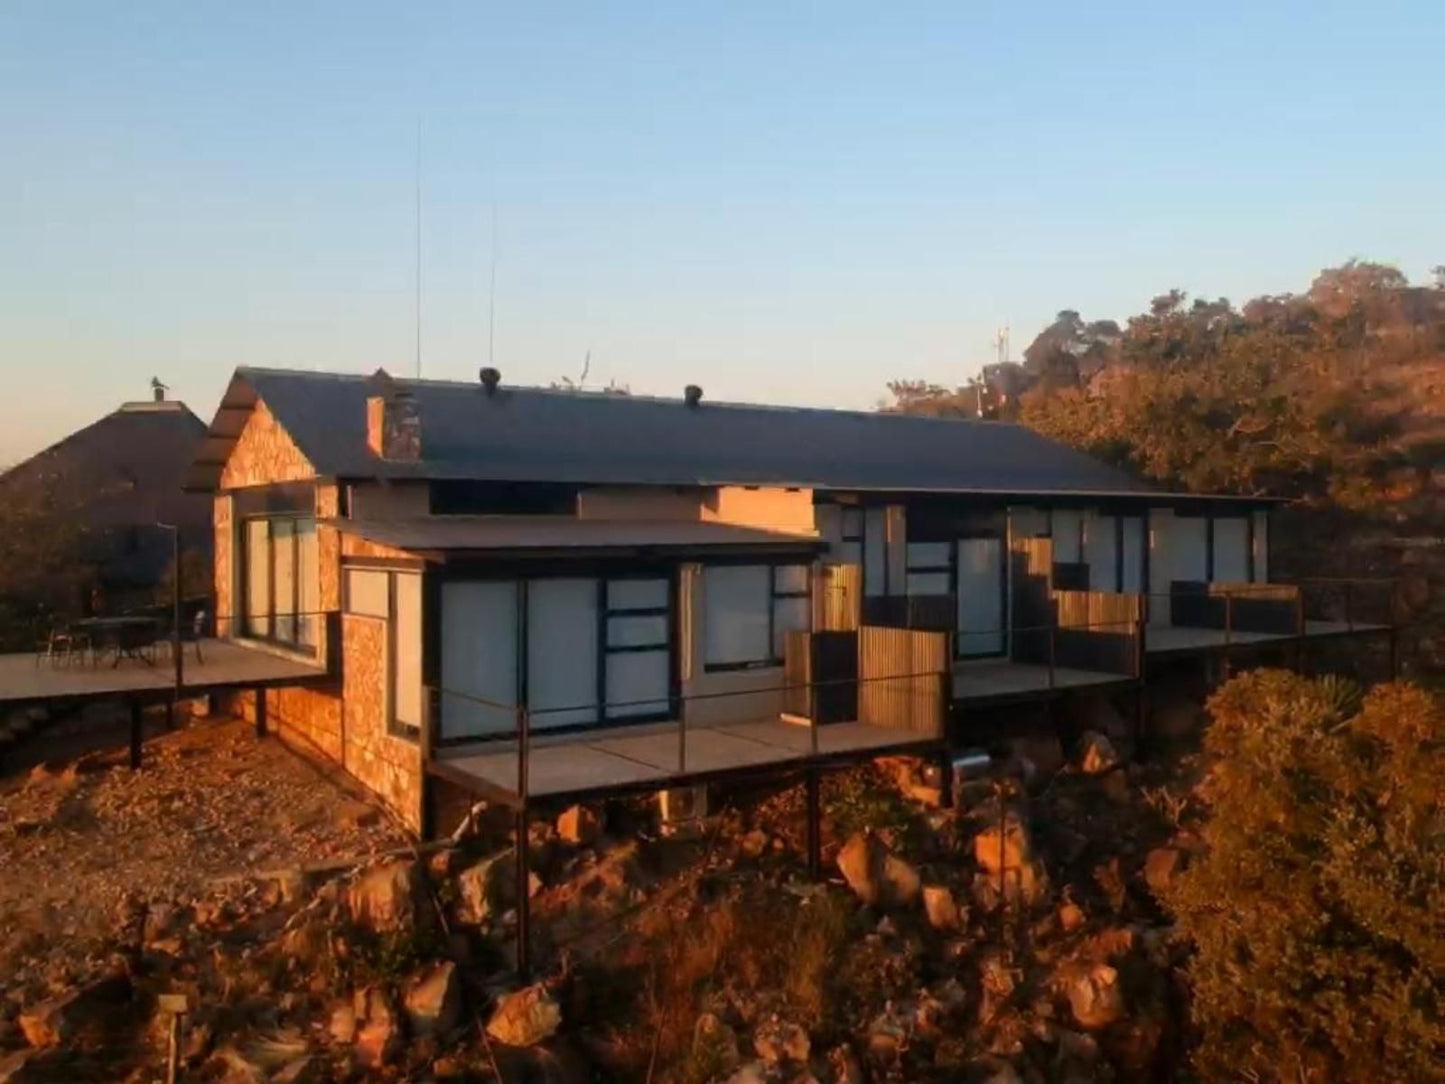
{"x": 1097, "y": 754}
{"x": 579, "y": 825}
{"x": 434, "y": 1000}
{"x": 525, "y": 1017}
{"x": 875, "y": 874}
{"x": 942, "y": 910}
{"x": 385, "y": 897}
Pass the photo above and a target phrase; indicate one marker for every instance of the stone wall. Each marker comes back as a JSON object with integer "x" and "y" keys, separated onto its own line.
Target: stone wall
{"x": 265, "y": 454}
{"x": 225, "y": 576}
{"x": 388, "y": 765}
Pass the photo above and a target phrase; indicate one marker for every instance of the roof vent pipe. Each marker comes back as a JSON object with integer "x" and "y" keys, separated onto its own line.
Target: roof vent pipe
{"x": 490, "y": 379}
{"x": 692, "y": 395}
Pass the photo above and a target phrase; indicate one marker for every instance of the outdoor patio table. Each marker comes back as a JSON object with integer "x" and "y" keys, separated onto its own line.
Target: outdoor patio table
{"x": 127, "y": 636}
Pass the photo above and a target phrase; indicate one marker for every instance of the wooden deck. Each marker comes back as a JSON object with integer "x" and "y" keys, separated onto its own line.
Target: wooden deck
{"x": 975, "y": 682}
{"x": 224, "y": 664}
{"x": 653, "y": 755}
{"x": 1179, "y": 639}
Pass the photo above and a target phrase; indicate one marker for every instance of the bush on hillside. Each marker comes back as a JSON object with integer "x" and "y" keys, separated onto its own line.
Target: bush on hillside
{"x": 1318, "y": 910}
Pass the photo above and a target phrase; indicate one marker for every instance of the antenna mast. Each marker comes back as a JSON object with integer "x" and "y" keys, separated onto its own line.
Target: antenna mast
{"x": 492, "y": 290}
{"x": 417, "y": 299}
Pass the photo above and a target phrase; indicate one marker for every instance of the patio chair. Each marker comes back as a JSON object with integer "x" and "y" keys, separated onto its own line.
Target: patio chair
{"x": 62, "y": 646}
{"x": 192, "y": 632}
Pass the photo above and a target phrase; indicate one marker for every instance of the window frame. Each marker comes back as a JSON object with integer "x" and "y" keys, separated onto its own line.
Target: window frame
{"x": 395, "y": 726}
{"x": 772, "y": 658}
{"x": 299, "y": 619}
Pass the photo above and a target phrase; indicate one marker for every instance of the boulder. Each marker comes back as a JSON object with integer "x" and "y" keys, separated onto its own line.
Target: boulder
{"x": 1161, "y": 866}
{"x": 1071, "y": 916}
{"x": 525, "y": 1017}
{"x": 433, "y": 1001}
{"x": 1095, "y": 996}
{"x": 386, "y": 897}
{"x": 777, "y": 1041}
{"x": 378, "y": 1029}
{"x": 875, "y": 874}
{"x": 579, "y": 825}
{"x": 1096, "y": 753}
{"x": 942, "y": 910}
{"x": 54, "y": 1021}
{"x": 489, "y": 888}
{"x": 342, "y": 1027}
{"x": 1002, "y": 843}
{"x": 845, "y": 1066}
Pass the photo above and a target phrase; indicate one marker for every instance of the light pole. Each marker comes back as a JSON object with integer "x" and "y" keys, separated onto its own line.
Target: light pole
{"x": 177, "y": 656}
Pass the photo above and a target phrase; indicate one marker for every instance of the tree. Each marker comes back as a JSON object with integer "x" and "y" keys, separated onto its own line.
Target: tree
{"x": 1317, "y": 910}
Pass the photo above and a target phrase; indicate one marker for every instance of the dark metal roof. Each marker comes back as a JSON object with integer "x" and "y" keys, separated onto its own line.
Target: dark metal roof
{"x": 556, "y": 534}
{"x": 535, "y": 434}
{"x": 116, "y": 479}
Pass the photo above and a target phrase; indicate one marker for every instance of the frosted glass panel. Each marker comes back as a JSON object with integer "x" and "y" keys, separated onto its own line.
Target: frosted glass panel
{"x": 636, "y": 594}
{"x": 875, "y": 551}
{"x": 479, "y": 657}
{"x": 980, "y": 596}
{"x": 790, "y": 579}
{"x": 1100, "y": 550}
{"x": 1133, "y": 555}
{"x": 636, "y": 631}
{"x": 283, "y": 573}
{"x": 1067, "y": 532}
{"x": 258, "y": 577}
{"x": 1261, "y": 547}
{"x": 1231, "y": 549}
{"x": 1187, "y": 548}
{"x": 928, "y": 583}
{"x": 928, "y": 555}
{"x": 562, "y": 652}
{"x": 736, "y": 603}
{"x": 636, "y": 684}
{"x": 789, "y": 615}
{"x": 310, "y": 574}
{"x": 407, "y": 659}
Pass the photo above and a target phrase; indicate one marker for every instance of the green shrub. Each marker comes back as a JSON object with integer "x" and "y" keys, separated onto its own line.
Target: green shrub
{"x": 1318, "y": 911}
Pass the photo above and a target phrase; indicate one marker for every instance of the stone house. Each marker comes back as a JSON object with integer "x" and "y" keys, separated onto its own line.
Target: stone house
{"x": 533, "y": 594}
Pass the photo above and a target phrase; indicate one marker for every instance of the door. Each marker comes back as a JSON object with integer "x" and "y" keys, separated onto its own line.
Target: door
{"x": 980, "y": 565}
{"x": 638, "y": 674}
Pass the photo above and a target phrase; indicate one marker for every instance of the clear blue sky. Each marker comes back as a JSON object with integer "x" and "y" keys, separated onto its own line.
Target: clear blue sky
{"x": 779, "y": 202}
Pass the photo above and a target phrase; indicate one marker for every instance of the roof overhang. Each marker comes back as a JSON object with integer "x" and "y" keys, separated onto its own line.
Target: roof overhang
{"x": 230, "y": 418}
{"x": 443, "y": 538}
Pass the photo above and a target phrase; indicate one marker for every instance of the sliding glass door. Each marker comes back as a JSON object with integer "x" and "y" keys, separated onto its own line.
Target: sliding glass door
{"x": 980, "y": 584}
{"x": 576, "y": 651}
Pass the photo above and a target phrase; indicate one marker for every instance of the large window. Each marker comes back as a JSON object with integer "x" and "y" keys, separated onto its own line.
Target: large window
{"x": 748, "y": 610}
{"x": 280, "y": 593}
{"x": 394, "y": 597}
{"x": 576, "y": 651}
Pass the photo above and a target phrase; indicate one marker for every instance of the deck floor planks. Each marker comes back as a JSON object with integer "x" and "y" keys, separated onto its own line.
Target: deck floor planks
{"x": 981, "y": 681}
{"x": 596, "y": 761}
{"x": 24, "y": 678}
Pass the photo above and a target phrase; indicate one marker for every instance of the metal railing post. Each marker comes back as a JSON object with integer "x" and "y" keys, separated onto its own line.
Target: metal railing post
{"x": 1228, "y": 630}
{"x": 524, "y": 749}
{"x": 682, "y": 740}
{"x": 1053, "y": 652}
{"x": 1349, "y": 616}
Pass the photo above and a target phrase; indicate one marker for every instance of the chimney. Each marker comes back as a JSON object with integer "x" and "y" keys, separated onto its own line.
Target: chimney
{"x": 692, "y": 395}
{"x": 393, "y": 423}
{"x": 490, "y": 379}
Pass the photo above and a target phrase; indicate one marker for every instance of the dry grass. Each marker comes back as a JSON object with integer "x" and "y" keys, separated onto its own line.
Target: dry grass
{"x": 758, "y": 949}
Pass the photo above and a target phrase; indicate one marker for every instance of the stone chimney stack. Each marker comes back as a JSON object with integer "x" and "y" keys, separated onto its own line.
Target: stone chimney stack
{"x": 393, "y": 423}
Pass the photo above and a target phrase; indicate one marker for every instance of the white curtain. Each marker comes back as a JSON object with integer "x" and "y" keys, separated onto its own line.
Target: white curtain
{"x": 478, "y": 658}
{"x": 562, "y": 652}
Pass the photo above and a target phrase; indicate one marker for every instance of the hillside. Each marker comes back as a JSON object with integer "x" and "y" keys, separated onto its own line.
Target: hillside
{"x": 1334, "y": 397}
